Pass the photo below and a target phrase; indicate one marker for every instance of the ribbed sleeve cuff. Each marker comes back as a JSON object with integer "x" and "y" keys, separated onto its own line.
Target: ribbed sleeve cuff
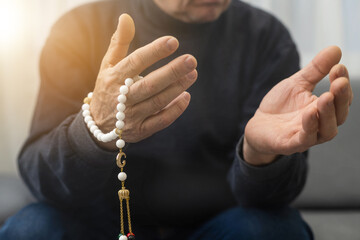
{"x": 265, "y": 172}
{"x": 85, "y": 147}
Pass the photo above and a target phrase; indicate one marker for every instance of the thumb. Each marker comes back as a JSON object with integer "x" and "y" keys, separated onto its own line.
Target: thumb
{"x": 120, "y": 41}
{"x": 318, "y": 68}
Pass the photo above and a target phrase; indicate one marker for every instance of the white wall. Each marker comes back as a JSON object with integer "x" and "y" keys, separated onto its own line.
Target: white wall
{"x": 25, "y": 24}
{"x": 316, "y": 24}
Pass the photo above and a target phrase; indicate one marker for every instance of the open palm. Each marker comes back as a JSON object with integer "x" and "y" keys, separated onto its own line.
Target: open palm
{"x": 291, "y": 119}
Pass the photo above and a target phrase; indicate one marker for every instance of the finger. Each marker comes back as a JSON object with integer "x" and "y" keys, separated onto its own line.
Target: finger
{"x": 165, "y": 117}
{"x": 157, "y": 102}
{"x": 340, "y": 88}
{"x": 318, "y": 68}
{"x": 146, "y": 56}
{"x": 120, "y": 41}
{"x": 161, "y": 78}
{"x": 308, "y": 134}
{"x": 338, "y": 71}
{"x": 327, "y": 117}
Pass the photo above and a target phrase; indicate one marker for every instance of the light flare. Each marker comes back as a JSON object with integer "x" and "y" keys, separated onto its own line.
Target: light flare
{"x": 11, "y": 22}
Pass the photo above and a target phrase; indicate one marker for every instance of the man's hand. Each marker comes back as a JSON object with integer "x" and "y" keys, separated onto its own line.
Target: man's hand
{"x": 153, "y": 102}
{"x": 291, "y": 119}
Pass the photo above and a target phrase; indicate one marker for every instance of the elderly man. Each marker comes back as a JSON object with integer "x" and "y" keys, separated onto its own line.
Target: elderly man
{"x": 229, "y": 165}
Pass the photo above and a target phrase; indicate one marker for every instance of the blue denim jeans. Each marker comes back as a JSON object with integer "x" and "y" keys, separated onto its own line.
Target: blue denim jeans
{"x": 40, "y": 221}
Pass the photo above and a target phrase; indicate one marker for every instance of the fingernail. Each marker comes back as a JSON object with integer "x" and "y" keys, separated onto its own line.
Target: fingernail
{"x": 343, "y": 72}
{"x": 172, "y": 44}
{"x": 186, "y": 95}
{"x": 191, "y": 75}
{"x": 190, "y": 63}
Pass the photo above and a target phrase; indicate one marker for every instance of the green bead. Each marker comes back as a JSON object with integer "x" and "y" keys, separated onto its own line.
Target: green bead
{"x": 120, "y": 234}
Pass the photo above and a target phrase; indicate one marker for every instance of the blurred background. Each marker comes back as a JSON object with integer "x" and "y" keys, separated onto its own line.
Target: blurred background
{"x": 24, "y": 25}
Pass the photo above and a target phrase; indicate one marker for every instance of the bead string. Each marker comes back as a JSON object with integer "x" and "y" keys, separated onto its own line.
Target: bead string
{"x": 124, "y": 194}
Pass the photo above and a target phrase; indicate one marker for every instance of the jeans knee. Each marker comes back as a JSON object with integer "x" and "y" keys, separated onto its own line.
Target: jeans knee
{"x": 253, "y": 224}
{"x": 36, "y": 221}
{"x": 284, "y": 223}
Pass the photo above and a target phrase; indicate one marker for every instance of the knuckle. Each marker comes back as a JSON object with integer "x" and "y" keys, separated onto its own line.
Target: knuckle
{"x": 113, "y": 74}
{"x": 131, "y": 62}
{"x": 174, "y": 71}
{"x": 107, "y": 77}
{"x": 164, "y": 121}
{"x": 180, "y": 107}
{"x": 157, "y": 51}
{"x": 114, "y": 37}
{"x": 317, "y": 68}
{"x": 157, "y": 102}
{"x": 143, "y": 131}
{"x": 146, "y": 87}
{"x": 184, "y": 82}
{"x": 133, "y": 132}
{"x": 129, "y": 114}
{"x": 135, "y": 60}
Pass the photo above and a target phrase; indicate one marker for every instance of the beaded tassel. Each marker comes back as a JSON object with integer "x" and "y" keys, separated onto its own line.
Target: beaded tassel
{"x": 124, "y": 194}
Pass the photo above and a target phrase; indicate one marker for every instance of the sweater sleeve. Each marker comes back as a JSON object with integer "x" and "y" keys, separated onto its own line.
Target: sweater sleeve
{"x": 280, "y": 182}
{"x": 60, "y": 162}
{"x": 272, "y": 185}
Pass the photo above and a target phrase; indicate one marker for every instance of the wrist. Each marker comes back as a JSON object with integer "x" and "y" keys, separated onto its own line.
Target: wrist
{"x": 254, "y": 157}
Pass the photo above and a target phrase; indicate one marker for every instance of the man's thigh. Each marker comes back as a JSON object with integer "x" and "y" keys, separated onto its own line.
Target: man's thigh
{"x": 40, "y": 221}
{"x": 255, "y": 224}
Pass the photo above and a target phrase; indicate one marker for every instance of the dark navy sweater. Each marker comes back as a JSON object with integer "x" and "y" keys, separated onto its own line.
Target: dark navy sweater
{"x": 193, "y": 169}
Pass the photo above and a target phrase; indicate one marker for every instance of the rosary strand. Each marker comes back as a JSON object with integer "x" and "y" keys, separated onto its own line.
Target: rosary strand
{"x": 124, "y": 194}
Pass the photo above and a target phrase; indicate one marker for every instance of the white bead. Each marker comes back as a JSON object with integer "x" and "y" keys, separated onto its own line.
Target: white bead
{"x": 90, "y": 124}
{"x": 123, "y": 237}
{"x": 99, "y": 136}
{"x": 86, "y": 113}
{"x": 97, "y": 132}
{"x": 120, "y": 116}
{"x": 120, "y": 107}
{"x": 85, "y": 106}
{"x": 88, "y": 119}
{"x": 120, "y": 143}
{"x": 93, "y": 128}
{"x": 124, "y": 89}
{"x": 119, "y": 124}
{"x": 129, "y": 82}
{"x": 104, "y": 138}
{"x": 90, "y": 95}
{"x": 121, "y": 98}
{"x": 122, "y": 176}
{"x": 113, "y": 134}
